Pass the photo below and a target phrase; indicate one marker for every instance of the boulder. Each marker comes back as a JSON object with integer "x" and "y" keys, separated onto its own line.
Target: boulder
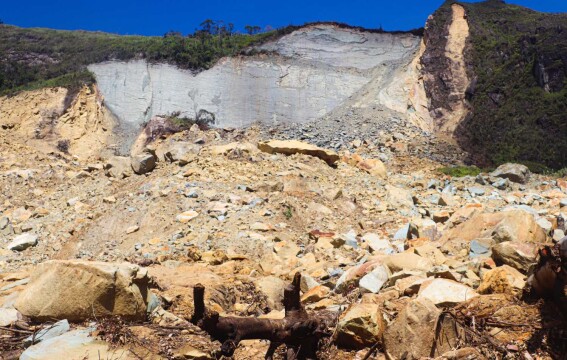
{"x": 78, "y": 290}
{"x": 374, "y": 167}
{"x": 374, "y": 280}
{"x": 514, "y": 172}
{"x": 377, "y": 244}
{"x": 143, "y": 163}
{"x": 444, "y": 292}
{"x": 518, "y": 255}
{"x": 360, "y": 326}
{"x": 407, "y": 261}
{"x": 76, "y": 344}
{"x": 502, "y": 280}
{"x": 273, "y": 287}
{"x": 412, "y": 333}
{"x": 290, "y": 147}
{"x": 22, "y": 242}
{"x": 181, "y": 152}
{"x": 351, "y": 277}
{"x": 118, "y": 167}
{"x": 57, "y": 329}
{"x": 512, "y": 225}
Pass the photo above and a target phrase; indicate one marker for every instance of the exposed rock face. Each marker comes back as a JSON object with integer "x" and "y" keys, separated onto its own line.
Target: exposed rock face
{"x": 78, "y": 290}
{"x": 445, "y": 69}
{"x": 314, "y": 69}
{"x": 42, "y": 118}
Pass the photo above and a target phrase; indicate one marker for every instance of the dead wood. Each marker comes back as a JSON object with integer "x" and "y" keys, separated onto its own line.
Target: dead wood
{"x": 299, "y": 331}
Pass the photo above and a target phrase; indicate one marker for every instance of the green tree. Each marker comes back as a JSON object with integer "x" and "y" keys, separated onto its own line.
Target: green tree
{"x": 252, "y": 29}
{"x": 207, "y": 26}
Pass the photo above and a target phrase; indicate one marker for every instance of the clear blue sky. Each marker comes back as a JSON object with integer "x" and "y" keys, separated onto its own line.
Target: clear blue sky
{"x": 155, "y": 17}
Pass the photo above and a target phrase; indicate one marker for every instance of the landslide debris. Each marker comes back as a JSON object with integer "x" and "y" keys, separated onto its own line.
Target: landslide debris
{"x": 412, "y": 257}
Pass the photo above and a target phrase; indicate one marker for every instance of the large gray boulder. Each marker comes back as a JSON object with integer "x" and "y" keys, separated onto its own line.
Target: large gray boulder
{"x": 78, "y": 290}
{"x": 514, "y": 172}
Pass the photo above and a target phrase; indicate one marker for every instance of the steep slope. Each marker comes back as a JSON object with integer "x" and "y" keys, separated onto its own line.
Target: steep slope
{"x": 503, "y": 94}
{"x": 48, "y": 119}
{"x": 300, "y": 77}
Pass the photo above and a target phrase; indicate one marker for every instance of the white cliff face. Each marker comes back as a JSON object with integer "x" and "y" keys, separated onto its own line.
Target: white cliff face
{"x": 311, "y": 72}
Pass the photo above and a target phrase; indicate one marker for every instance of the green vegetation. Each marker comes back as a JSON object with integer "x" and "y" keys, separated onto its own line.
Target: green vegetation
{"x": 519, "y": 102}
{"x": 35, "y": 58}
{"x": 460, "y": 171}
{"x": 288, "y": 212}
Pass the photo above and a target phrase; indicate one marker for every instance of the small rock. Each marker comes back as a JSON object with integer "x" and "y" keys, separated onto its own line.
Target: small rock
{"x": 316, "y": 294}
{"x": 22, "y": 242}
{"x": 186, "y": 216}
{"x": 109, "y": 200}
{"x": 132, "y": 229}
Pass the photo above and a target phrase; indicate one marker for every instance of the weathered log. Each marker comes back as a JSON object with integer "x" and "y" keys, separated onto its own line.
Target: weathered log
{"x": 299, "y": 331}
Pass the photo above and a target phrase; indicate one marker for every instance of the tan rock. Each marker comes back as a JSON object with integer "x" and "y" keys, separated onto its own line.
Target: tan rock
{"x": 118, "y": 167}
{"x": 316, "y": 294}
{"x": 407, "y": 261}
{"x": 518, "y": 255}
{"x": 514, "y": 225}
{"x": 444, "y": 292}
{"x": 360, "y": 326}
{"x": 189, "y": 352}
{"x": 273, "y": 287}
{"x": 290, "y": 147}
{"x": 504, "y": 279}
{"x": 412, "y": 333}
{"x": 78, "y": 290}
{"x": 187, "y": 216}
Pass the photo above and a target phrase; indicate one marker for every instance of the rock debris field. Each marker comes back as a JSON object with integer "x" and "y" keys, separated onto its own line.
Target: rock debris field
{"x": 301, "y": 251}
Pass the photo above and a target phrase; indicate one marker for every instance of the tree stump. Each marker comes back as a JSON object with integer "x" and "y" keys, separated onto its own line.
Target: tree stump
{"x": 299, "y": 331}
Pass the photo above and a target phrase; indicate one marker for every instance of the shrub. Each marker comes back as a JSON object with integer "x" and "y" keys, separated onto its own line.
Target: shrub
{"x": 63, "y": 145}
{"x": 460, "y": 171}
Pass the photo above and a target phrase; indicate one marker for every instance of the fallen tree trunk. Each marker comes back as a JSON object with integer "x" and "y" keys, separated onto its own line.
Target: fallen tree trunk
{"x": 299, "y": 331}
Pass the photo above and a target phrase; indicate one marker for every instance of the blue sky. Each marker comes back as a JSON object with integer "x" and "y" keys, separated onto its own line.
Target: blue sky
{"x": 155, "y": 17}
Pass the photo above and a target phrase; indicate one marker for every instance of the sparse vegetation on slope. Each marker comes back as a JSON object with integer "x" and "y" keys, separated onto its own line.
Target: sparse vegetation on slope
{"x": 35, "y": 58}
{"x": 519, "y": 104}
